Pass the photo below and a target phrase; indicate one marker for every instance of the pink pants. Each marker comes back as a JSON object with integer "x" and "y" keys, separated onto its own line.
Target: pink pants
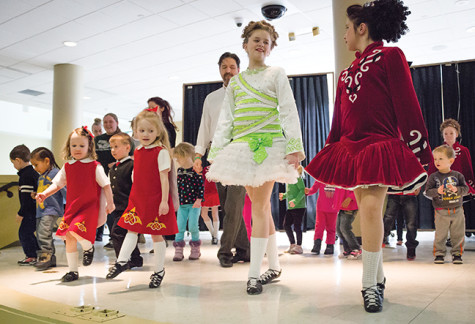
{"x": 325, "y": 221}
{"x": 247, "y": 215}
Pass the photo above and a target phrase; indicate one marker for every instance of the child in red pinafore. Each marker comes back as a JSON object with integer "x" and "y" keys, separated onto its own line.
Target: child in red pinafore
{"x": 151, "y": 209}
{"x": 85, "y": 179}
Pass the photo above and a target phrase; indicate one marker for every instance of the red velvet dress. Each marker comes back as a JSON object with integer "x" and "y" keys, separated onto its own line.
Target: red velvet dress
{"x": 82, "y": 201}
{"x": 462, "y": 164}
{"x": 377, "y": 133}
{"x": 211, "y": 197}
{"x": 141, "y": 214}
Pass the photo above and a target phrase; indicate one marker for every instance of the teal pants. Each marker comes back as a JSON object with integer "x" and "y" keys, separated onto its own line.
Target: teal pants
{"x": 186, "y": 213}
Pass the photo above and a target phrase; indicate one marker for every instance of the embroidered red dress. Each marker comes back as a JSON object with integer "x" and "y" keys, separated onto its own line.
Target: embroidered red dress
{"x": 82, "y": 199}
{"x": 377, "y": 133}
{"x": 141, "y": 214}
{"x": 462, "y": 164}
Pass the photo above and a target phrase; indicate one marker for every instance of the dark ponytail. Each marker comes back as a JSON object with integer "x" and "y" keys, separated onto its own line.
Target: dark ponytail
{"x": 386, "y": 19}
{"x": 41, "y": 153}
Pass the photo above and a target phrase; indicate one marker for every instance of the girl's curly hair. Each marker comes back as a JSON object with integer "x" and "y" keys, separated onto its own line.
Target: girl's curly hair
{"x": 450, "y": 123}
{"x": 386, "y": 19}
{"x": 256, "y": 25}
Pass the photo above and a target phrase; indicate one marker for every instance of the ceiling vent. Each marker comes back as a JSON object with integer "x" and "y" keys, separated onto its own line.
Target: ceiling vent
{"x": 31, "y": 92}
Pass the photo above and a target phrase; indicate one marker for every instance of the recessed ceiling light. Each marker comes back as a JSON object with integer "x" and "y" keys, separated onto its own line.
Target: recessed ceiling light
{"x": 439, "y": 47}
{"x": 470, "y": 29}
{"x": 86, "y": 98}
{"x": 70, "y": 43}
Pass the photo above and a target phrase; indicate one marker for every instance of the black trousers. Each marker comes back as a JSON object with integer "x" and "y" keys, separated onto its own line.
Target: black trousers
{"x": 117, "y": 237}
{"x": 26, "y": 234}
{"x": 294, "y": 217}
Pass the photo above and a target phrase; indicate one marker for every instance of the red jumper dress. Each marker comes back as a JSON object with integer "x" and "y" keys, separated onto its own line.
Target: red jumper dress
{"x": 141, "y": 215}
{"x": 82, "y": 200}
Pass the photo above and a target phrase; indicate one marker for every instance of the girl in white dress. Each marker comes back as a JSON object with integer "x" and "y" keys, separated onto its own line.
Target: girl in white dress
{"x": 257, "y": 142}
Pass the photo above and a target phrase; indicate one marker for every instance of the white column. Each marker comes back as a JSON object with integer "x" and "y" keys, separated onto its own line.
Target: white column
{"x": 67, "y": 97}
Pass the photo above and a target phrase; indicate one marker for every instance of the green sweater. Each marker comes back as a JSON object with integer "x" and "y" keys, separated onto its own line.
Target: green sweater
{"x": 296, "y": 193}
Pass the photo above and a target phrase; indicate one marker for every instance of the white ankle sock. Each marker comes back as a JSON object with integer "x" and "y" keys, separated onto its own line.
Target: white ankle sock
{"x": 216, "y": 228}
{"x": 85, "y": 244}
{"x": 258, "y": 249}
{"x": 370, "y": 268}
{"x": 159, "y": 255}
{"x": 128, "y": 246}
{"x": 72, "y": 258}
{"x": 209, "y": 225}
{"x": 273, "y": 253}
{"x": 380, "y": 274}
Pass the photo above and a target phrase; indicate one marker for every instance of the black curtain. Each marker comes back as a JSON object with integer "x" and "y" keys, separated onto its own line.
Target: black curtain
{"x": 194, "y": 97}
{"x": 427, "y": 83}
{"x": 446, "y": 91}
{"x": 311, "y": 96}
{"x": 466, "y": 120}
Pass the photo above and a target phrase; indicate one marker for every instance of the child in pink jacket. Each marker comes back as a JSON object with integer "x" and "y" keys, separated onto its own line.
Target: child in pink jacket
{"x": 327, "y": 213}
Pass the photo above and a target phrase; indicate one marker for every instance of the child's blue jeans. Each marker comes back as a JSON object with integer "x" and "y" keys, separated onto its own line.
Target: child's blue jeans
{"x": 186, "y": 213}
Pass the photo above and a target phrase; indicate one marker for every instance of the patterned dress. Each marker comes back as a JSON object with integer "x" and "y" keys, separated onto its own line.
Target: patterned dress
{"x": 258, "y": 126}
{"x": 141, "y": 214}
{"x": 378, "y": 136}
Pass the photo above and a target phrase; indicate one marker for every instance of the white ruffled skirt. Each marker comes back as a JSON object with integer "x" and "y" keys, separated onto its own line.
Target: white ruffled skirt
{"x": 234, "y": 165}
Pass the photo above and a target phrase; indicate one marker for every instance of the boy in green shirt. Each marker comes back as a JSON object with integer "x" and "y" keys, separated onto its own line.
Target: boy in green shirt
{"x": 296, "y": 210}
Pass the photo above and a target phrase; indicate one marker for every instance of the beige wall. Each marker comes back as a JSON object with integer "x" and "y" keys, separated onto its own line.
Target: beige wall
{"x": 10, "y": 207}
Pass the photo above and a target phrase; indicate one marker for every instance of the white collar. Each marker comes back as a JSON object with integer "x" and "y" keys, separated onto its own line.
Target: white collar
{"x": 148, "y": 146}
{"x": 125, "y": 159}
{"x": 86, "y": 160}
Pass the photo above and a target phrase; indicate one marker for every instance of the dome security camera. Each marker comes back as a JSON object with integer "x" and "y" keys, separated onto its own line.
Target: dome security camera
{"x": 273, "y": 11}
{"x": 238, "y": 21}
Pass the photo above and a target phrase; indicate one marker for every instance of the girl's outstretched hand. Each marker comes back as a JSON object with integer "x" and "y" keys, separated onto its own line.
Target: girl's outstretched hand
{"x": 40, "y": 197}
{"x": 163, "y": 209}
{"x": 293, "y": 159}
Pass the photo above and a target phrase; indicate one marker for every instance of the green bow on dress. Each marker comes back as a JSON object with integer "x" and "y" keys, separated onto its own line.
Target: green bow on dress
{"x": 258, "y": 146}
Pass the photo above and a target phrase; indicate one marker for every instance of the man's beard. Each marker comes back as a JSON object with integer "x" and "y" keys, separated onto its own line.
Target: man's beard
{"x": 227, "y": 77}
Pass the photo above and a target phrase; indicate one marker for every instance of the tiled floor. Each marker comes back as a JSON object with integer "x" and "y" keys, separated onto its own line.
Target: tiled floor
{"x": 312, "y": 289}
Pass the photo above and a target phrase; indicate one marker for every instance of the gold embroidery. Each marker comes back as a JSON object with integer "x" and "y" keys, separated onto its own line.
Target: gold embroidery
{"x": 62, "y": 226}
{"x": 156, "y": 225}
{"x": 81, "y": 226}
{"x": 131, "y": 217}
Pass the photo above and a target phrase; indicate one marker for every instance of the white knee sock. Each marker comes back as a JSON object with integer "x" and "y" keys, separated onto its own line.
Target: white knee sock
{"x": 85, "y": 244}
{"x": 258, "y": 249}
{"x": 209, "y": 225}
{"x": 72, "y": 258}
{"x": 273, "y": 253}
{"x": 159, "y": 255}
{"x": 216, "y": 228}
{"x": 370, "y": 268}
{"x": 380, "y": 274}
{"x": 128, "y": 246}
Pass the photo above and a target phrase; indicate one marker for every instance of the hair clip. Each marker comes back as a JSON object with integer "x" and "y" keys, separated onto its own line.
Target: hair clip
{"x": 87, "y": 131}
{"x": 152, "y": 109}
